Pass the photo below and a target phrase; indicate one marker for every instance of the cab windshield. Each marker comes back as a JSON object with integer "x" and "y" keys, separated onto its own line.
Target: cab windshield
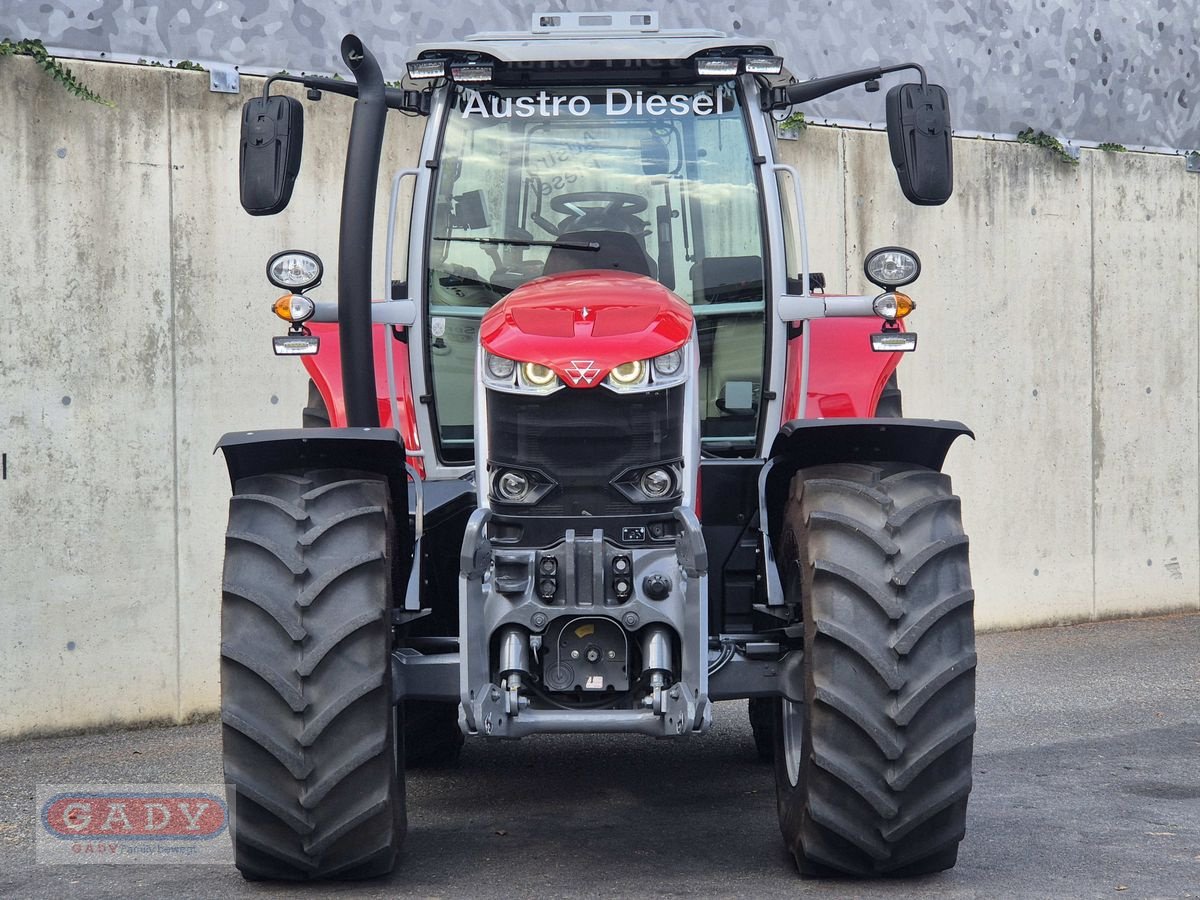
{"x": 657, "y": 181}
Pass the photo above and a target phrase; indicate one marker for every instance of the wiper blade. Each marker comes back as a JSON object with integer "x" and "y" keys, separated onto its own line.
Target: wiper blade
{"x": 521, "y": 242}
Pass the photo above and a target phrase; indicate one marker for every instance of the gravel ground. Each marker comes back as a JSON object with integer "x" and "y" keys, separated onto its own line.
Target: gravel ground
{"x": 1087, "y": 784}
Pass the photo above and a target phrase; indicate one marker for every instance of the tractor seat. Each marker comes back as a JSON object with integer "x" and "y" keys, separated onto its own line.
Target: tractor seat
{"x": 618, "y": 250}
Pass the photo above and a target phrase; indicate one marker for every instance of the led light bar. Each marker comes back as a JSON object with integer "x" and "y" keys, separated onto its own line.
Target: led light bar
{"x": 894, "y": 342}
{"x": 717, "y": 65}
{"x": 763, "y": 65}
{"x": 296, "y": 345}
{"x": 472, "y": 72}
{"x": 427, "y": 68}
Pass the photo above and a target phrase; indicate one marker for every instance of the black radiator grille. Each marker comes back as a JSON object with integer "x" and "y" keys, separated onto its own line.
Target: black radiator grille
{"x": 582, "y": 439}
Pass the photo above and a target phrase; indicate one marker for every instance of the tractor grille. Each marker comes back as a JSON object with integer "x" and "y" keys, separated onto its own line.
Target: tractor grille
{"x": 582, "y": 439}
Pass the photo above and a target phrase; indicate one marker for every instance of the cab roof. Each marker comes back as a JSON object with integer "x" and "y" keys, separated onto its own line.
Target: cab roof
{"x": 565, "y": 37}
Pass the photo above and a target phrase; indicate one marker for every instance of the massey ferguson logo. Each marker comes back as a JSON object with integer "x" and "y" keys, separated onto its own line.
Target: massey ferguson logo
{"x": 582, "y": 370}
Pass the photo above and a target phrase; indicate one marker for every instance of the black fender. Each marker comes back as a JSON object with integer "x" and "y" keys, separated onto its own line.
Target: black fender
{"x": 378, "y": 450}
{"x": 802, "y": 443}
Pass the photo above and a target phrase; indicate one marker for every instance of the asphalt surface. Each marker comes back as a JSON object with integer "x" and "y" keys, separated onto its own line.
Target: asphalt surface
{"x": 1087, "y": 784}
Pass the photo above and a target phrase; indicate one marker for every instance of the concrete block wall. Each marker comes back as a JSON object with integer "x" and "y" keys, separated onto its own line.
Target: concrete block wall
{"x": 1057, "y": 316}
{"x": 135, "y": 329}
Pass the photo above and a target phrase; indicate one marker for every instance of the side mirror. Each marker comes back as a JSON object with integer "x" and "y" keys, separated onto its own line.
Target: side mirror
{"x": 918, "y": 126}
{"x": 272, "y": 137}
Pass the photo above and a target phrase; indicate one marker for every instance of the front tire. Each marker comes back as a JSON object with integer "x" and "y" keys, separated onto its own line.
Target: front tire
{"x": 874, "y": 769}
{"x": 310, "y": 749}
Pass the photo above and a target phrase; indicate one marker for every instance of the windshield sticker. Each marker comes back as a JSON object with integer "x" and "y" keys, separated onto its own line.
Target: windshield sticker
{"x": 617, "y": 102}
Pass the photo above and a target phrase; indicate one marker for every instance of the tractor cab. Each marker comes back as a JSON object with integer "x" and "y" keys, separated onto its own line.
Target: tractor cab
{"x": 580, "y": 174}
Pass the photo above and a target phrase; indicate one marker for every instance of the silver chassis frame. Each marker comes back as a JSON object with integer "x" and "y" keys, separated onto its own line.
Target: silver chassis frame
{"x": 494, "y": 710}
{"x": 489, "y": 708}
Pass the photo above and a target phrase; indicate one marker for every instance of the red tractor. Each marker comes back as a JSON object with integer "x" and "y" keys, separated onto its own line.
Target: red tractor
{"x": 605, "y": 453}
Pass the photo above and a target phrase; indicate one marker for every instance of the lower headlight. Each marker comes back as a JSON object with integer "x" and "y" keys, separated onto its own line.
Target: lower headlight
{"x": 512, "y": 486}
{"x": 656, "y": 483}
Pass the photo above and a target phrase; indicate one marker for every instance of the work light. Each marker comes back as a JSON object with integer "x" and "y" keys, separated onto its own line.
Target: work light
{"x": 295, "y": 270}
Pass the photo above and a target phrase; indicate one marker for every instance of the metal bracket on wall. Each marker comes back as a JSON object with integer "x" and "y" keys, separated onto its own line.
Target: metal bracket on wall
{"x": 1192, "y": 161}
{"x": 224, "y": 80}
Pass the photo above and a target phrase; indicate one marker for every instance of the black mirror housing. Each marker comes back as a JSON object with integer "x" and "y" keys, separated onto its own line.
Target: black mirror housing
{"x": 269, "y": 161}
{"x": 918, "y": 126}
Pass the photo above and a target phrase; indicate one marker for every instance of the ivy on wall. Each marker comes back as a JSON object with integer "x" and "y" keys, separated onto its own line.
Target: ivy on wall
{"x": 52, "y": 67}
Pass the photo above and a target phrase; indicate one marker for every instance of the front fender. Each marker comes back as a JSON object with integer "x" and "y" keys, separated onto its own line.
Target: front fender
{"x": 378, "y": 450}
{"x": 803, "y": 443}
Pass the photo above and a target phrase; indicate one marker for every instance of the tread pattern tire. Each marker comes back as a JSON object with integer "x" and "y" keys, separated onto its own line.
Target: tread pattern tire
{"x": 432, "y": 738}
{"x": 306, "y": 698}
{"x": 877, "y": 558}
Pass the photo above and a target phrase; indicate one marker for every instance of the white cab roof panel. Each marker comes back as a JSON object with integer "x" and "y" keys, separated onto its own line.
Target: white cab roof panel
{"x": 563, "y": 37}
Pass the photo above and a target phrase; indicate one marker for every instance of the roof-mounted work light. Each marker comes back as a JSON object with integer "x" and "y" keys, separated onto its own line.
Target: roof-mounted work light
{"x": 419, "y": 69}
{"x": 763, "y": 65}
{"x": 473, "y": 72}
{"x": 717, "y": 66}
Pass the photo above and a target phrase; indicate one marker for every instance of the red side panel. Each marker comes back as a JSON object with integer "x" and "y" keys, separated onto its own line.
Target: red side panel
{"x": 846, "y": 376}
{"x": 325, "y": 369}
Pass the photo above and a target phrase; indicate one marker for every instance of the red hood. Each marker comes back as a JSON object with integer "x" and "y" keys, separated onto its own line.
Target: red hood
{"x": 586, "y": 322}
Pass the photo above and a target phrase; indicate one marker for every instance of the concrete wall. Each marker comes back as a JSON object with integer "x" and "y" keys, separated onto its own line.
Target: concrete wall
{"x": 1058, "y": 317}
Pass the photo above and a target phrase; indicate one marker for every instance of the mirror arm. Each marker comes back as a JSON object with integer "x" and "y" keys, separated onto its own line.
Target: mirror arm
{"x": 394, "y": 98}
{"x": 804, "y": 91}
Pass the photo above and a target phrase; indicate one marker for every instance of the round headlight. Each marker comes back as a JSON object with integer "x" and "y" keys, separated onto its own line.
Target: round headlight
{"x": 294, "y": 308}
{"x": 500, "y": 368}
{"x": 893, "y": 305}
{"x": 629, "y": 373}
{"x": 668, "y": 364}
{"x": 512, "y": 486}
{"x": 537, "y": 375}
{"x": 296, "y": 270}
{"x": 891, "y": 267}
{"x": 656, "y": 482}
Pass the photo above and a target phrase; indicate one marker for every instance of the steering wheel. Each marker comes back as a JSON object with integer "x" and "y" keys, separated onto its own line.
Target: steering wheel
{"x": 605, "y": 203}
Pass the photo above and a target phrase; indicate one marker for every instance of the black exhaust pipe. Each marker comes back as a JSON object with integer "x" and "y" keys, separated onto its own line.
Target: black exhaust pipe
{"x": 358, "y": 225}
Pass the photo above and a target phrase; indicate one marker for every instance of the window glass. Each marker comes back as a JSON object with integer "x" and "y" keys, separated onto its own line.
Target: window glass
{"x": 655, "y": 180}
